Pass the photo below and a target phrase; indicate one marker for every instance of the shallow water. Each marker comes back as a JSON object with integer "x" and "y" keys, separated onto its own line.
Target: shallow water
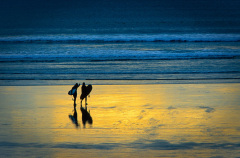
{"x": 119, "y": 40}
{"x": 182, "y": 120}
{"x": 54, "y": 62}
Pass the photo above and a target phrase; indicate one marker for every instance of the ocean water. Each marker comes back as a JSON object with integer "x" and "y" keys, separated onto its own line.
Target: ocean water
{"x": 156, "y": 42}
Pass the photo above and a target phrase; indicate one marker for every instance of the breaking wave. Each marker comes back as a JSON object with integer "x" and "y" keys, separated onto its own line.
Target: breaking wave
{"x": 78, "y": 38}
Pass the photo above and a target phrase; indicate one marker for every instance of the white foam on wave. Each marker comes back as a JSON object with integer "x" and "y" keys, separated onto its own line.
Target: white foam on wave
{"x": 103, "y": 55}
{"x": 124, "y": 38}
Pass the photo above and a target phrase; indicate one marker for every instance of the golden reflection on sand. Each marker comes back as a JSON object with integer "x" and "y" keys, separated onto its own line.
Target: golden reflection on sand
{"x": 129, "y": 116}
{"x": 172, "y": 112}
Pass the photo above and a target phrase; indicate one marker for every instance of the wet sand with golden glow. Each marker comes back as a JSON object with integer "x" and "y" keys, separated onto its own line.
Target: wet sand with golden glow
{"x": 155, "y": 120}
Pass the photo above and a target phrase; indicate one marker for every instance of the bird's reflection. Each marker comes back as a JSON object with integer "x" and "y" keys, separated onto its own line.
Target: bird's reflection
{"x": 74, "y": 117}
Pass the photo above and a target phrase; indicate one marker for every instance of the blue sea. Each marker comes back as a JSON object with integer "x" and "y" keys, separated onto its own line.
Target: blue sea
{"x": 56, "y": 42}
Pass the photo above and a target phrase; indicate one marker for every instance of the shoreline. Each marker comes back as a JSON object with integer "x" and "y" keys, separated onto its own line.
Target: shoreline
{"x": 117, "y": 81}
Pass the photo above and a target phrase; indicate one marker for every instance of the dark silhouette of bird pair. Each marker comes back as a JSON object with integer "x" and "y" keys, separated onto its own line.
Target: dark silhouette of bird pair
{"x": 85, "y": 92}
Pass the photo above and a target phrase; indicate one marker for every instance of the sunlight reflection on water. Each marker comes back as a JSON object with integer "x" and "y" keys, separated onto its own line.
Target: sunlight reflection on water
{"x": 128, "y": 120}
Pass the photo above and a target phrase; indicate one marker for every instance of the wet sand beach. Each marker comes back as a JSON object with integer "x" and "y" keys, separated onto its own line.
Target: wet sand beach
{"x": 146, "y": 120}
